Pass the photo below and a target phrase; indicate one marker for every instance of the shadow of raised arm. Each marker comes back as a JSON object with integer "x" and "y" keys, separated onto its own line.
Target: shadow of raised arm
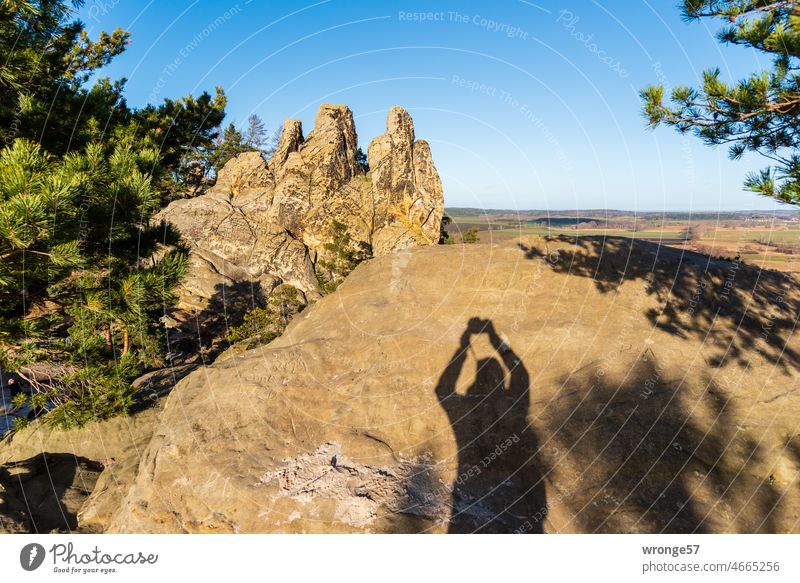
{"x": 519, "y": 380}
{"x": 446, "y": 387}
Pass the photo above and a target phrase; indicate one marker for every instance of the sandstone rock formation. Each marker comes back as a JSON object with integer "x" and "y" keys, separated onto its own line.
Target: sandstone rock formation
{"x": 70, "y": 480}
{"x": 556, "y": 387}
{"x": 44, "y": 493}
{"x": 599, "y": 386}
{"x": 266, "y": 223}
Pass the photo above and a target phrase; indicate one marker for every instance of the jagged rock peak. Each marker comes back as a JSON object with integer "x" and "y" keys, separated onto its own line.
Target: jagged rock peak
{"x": 399, "y": 124}
{"x": 338, "y": 113}
{"x": 245, "y": 171}
{"x": 333, "y": 141}
{"x": 274, "y": 220}
{"x": 291, "y": 136}
{"x": 334, "y": 123}
{"x": 290, "y": 141}
{"x": 406, "y": 183}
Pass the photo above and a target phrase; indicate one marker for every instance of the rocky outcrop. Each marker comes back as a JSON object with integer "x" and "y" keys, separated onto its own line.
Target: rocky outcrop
{"x": 605, "y": 386}
{"x": 44, "y": 493}
{"x": 405, "y": 184}
{"x": 266, "y": 223}
{"x": 74, "y": 480}
{"x": 242, "y": 174}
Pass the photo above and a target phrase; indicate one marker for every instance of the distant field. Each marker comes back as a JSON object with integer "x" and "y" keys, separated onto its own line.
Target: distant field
{"x": 763, "y": 239}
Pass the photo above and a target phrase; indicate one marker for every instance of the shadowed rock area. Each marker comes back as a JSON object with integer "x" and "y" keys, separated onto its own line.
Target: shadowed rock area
{"x": 44, "y": 493}
{"x": 491, "y": 388}
{"x": 74, "y": 480}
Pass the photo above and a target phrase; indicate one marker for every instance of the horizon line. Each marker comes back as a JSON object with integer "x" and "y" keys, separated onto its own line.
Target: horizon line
{"x": 616, "y": 210}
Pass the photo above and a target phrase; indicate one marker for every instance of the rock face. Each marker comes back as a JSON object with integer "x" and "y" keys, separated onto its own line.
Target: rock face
{"x": 44, "y": 493}
{"x": 405, "y": 184}
{"x": 266, "y": 223}
{"x": 74, "y": 480}
{"x": 548, "y": 387}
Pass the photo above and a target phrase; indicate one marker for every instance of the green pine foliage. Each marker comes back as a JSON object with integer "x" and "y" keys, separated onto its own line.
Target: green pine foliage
{"x": 85, "y": 276}
{"x": 48, "y": 60}
{"x": 233, "y": 142}
{"x": 38, "y": 212}
{"x": 184, "y": 132}
{"x": 91, "y": 393}
{"x": 47, "y": 57}
{"x": 229, "y": 145}
{"x": 263, "y": 325}
{"x": 471, "y": 235}
{"x": 361, "y": 160}
{"x": 72, "y": 290}
{"x": 342, "y": 255}
{"x": 756, "y": 114}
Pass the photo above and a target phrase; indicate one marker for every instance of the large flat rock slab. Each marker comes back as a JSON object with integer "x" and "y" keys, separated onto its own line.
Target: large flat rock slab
{"x": 603, "y": 386}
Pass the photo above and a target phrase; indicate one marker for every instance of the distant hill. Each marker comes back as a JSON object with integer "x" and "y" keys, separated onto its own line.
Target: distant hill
{"x": 594, "y": 214}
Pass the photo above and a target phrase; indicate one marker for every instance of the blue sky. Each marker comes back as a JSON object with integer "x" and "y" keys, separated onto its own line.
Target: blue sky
{"x": 525, "y": 105}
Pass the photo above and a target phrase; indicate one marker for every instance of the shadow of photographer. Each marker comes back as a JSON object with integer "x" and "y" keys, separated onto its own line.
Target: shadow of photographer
{"x": 498, "y": 488}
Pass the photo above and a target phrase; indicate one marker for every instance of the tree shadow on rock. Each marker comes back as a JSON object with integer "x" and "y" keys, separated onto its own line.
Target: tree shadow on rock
{"x": 498, "y": 488}
{"x": 741, "y": 310}
{"x": 640, "y": 455}
{"x": 206, "y": 331}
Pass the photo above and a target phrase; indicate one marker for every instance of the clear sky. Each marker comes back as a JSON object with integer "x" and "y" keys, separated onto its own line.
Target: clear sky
{"x": 525, "y": 105}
